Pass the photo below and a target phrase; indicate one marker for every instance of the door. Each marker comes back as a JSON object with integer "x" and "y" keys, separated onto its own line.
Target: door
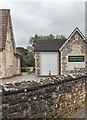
{"x": 49, "y": 62}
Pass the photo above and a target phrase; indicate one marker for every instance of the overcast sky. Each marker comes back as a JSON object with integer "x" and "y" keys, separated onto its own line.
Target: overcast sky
{"x": 30, "y": 18}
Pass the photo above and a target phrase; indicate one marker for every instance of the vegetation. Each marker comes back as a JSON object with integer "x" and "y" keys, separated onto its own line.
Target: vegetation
{"x": 33, "y": 40}
{"x": 24, "y": 73}
{"x": 29, "y": 72}
{"x": 27, "y": 58}
{"x": 66, "y": 116}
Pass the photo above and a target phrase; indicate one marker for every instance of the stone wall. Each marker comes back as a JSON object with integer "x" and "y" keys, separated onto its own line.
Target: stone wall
{"x": 8, "y": 65}
{"x": 0, "y": 63}
{"x": 17, "y": 65}
{"x": 44, "y": 98}
{"x": 8, "y": 55}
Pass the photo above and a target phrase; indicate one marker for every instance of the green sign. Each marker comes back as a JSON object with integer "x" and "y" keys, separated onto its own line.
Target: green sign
{"x": 75, "y": 58}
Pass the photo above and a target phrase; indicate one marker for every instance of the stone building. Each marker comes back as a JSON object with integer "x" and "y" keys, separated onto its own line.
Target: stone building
{"x": 9, "y": 58}
{"x": 61, "y": 56}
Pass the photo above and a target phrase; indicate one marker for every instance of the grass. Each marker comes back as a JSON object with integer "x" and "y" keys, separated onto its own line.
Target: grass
{"x": 24, "y": 72}
{"x": 66, "y": 116}
{"x": 29, "y": 72}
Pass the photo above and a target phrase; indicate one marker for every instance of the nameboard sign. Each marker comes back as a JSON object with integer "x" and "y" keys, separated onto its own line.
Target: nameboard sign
{"x": 75, "y": 58}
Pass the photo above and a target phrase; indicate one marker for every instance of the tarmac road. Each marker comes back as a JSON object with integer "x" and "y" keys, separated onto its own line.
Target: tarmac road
{"x": 80, "y": 114}
{"x": 24, "y": 77}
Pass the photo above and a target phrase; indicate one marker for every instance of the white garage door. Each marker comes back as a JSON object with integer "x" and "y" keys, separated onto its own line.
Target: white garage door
{"x": 49, "y": 62}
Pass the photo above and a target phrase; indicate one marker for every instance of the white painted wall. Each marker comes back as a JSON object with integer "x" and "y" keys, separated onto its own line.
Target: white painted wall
{"x": 49, "y": 61}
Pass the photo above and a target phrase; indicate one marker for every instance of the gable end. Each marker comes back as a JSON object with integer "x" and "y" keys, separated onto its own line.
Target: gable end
{"x": 73, "y": 36}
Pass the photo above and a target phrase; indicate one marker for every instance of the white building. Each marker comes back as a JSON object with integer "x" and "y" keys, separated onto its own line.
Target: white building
{"x": 61, "y": 56}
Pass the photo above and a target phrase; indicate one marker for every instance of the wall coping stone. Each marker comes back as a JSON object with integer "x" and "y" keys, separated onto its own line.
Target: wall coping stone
{"x": 32, "y": 85}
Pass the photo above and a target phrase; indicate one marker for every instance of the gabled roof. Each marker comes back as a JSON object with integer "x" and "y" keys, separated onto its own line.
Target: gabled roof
{"x": 49, "y": 45}
{"x": 4, "y": 19}
{"x": 55, "y": 45}
{"x": 75, "y": 30}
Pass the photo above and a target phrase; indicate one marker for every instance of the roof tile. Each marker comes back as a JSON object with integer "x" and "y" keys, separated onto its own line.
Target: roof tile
{"x": 49, "y": 45}
{"x": 4, "y": 14}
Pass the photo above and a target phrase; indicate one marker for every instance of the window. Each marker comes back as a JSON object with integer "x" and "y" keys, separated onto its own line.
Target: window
{"x": 76, "y": 37}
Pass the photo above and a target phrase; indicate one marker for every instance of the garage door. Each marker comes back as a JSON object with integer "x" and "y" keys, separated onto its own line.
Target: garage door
{"x": 49, "y": 62}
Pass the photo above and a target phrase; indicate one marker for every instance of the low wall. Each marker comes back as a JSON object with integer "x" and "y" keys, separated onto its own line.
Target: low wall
{"x": 44, "y": 98}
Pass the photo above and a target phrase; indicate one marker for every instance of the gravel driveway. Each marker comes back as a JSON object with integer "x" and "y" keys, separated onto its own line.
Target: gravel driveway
{"x": 24, "y": 77}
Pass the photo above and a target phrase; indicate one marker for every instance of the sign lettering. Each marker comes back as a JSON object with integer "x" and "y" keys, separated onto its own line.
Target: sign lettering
{"x": 75, "y": 58}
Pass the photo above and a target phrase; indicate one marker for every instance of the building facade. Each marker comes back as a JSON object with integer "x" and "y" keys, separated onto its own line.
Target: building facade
{"x": 9, "y": 58}
{"x": 61, "y": 56}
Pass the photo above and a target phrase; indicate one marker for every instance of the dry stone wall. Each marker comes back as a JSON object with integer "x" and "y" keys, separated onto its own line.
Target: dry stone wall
{"x": 44, "y": 98}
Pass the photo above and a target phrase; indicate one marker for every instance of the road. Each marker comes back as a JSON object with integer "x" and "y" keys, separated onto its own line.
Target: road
{"x": 24, "y": 77}
{"x": 80, "y": 114}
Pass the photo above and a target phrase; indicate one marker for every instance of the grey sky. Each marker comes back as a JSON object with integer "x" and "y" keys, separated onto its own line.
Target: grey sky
{"x": 30, "y": 18}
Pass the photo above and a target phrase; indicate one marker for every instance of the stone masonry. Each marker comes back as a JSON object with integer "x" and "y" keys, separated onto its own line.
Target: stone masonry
{"x": 37, "y": 64}
{"x": 69, "y": 49}
{"x": 45, "y": 98}
{"x": 9, "y": 58}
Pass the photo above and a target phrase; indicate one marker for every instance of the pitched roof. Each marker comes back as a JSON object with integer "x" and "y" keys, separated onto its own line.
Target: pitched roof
{"x": 74, "y": 31}
{"x": 4, "y": 18}
{"x": 49, "y": 45}
{"x": 77, "y": 30}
